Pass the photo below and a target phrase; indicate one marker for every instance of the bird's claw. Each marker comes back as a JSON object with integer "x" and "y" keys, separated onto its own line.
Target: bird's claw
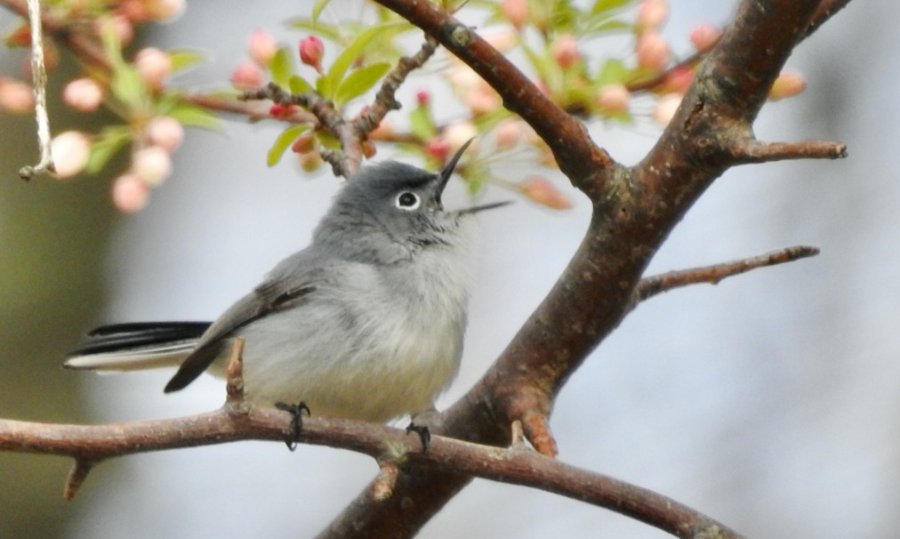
{"x": 296, "y": 411}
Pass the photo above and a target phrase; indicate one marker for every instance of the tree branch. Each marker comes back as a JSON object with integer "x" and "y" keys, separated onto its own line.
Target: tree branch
{"x": 826, "y": 10}
{"x": 656, "y": 284}
{"x": 394, "y": 448}
{"x": 753, "y": 151}
{"x": 577, "y": 156}
{"x": 634, "y": 211}
{"x": 384, "y": 99}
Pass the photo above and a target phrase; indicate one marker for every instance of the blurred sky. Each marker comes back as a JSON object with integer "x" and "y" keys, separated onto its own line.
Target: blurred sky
{"x": 768, "y": 402}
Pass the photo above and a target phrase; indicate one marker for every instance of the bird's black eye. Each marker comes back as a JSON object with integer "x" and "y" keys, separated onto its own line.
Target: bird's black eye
{"x": 407, "y": 201}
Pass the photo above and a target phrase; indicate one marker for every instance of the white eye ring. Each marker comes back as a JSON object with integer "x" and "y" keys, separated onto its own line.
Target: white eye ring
{"x": 407, "y": 201}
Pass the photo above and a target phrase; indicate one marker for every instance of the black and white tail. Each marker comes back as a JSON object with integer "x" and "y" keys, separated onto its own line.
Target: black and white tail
{"x": 137, "y": 346}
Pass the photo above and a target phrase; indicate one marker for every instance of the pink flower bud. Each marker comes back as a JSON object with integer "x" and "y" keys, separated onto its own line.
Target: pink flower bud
{"x": 71, "y": 151}
{"x": 613, "y": 98}
{"x": 652, "y": 51}
{"x": 262, "y": 47}
{"x": 165, "y": 132}
{"x": 651, "y": 15}
{"x": 165, "y": 10}
{"x": 154, "y": 66}
{"x": 129, "y": 193}
{"x": 152, "y": 165}
{"x": 788, "y": 84}
{"x": 543, "y": 192}
{"x": 423, "y": 98}
{"x": 677, "y": 81}
{"x": 83, "y": 94}
{"x": 665, "y": 109}
{"x": 311, "y": 52}
{"x": 515, "y": 11}
{"x": 482, "y": 99}
{"x": 247, "y": 76}
{"x": 508, "y": 133}
{"x": 565, "y": 51}
{"x": 16, "y": 97}
{"x": 705, "y": 36}
{"x": 121, "y": 26}
{"x": 135, "y": 10}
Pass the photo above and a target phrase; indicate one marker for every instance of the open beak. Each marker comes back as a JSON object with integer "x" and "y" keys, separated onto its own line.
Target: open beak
{"x": 445, "y": 174}
{"x": 447, "y": 171}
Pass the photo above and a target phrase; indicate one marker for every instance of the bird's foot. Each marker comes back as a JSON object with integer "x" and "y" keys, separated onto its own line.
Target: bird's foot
{"x": 422, "y": 431}
{"x": 296, "y": 411}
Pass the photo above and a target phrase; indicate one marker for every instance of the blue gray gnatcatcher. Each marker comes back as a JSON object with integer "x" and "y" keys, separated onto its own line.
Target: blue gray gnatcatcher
{"x": 366, "y": 323}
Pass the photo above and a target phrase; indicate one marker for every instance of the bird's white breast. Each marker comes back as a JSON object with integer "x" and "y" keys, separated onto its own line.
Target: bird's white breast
{"x": 382, "y": 343}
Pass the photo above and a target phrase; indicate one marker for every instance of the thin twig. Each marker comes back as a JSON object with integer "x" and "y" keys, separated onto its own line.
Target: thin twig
{"x": 234, "y": 384}
{"x": 656, "y": 284}
{"x": 39, "y": 81}
{"x": 77, "y": 475}
{"x": 385, "y": 99}
{"x": 578, "y": 157}
{"x": 659, "y": 79}
{"x": 753, "y": 151}
{"x": 382, "y": 487}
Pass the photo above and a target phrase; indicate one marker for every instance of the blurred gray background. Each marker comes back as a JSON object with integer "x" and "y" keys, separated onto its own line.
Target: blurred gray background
{"x": 769, "y": 402}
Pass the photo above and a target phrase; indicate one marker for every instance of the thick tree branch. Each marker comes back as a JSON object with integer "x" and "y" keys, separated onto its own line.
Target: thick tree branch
{"x": 635, "y": 210}
{"x": 826, "y": 10}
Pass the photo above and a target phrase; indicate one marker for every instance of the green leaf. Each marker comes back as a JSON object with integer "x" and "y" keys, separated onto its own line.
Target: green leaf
{"x": 298, "y": 85}
{"x": 106, "y": 145}
{"x": 563, "y": 16}
{"x": 194, "y": 116}
{"x": 342, "y": 63}
{"x": 281, "y": 67}
{"x": 127, "y": 86}
{"x": 613, "y": 71}
{"x": 421, "y": 123}
{"x": 601, "y": 6}
{"x": 327, "y": 31}
{"x": 317, "y": 9}
{"x": 360, "y": 81}
{"x": 600, "y": 24}
{"x": 183, "y": 59}
{"x": 112, "y": 46}
{"x": 283, "y": 142}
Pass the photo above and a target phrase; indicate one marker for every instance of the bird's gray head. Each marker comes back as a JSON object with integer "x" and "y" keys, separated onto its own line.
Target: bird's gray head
{"x": 389, "y": 211}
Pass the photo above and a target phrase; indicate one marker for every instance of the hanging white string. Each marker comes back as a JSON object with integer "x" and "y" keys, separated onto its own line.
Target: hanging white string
{"x": 39, "y": 80}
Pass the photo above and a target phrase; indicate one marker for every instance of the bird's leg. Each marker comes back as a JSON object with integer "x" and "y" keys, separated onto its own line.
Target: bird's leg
{"x": 422, "y": 431}
{"x": 419, "y": 423}
{"x": 296, "y": 411}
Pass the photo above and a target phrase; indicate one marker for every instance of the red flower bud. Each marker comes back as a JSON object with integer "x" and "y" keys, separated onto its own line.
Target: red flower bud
{"x": 281, "y": 111}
